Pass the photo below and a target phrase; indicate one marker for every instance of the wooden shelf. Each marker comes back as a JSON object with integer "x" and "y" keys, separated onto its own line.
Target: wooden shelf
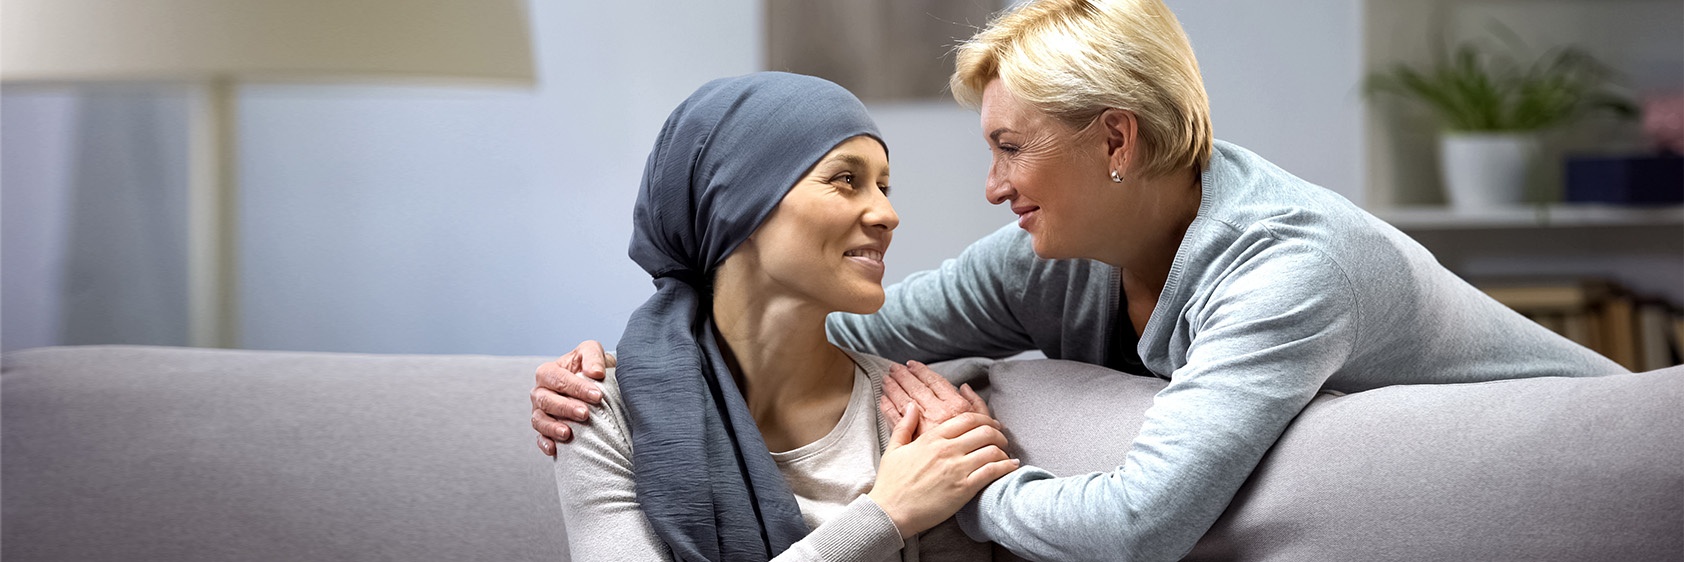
{"x": 1547, "y": 216}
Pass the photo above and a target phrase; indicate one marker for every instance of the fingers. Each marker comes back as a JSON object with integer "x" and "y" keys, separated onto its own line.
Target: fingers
{"x": 893, "y": 391}
{"x": 546, "y": 445}
{"x": 560, "y": 377}
{"x": 561, "y": 393}
{"x": 985, "y": 455}
{"x": 592, "y": 361}
{"x": 558, "y": 406}
{"x": 961, "y": 424}
{"x": 550, "y": 428}
{"x": 904, "y": 430}
{"x": 890, "y": 412}
{"x": 977, "y": 404}
{"x": 981, "y": 437}
{"x": 932, "y": 380}
{"x": 982, "y": 477}
{"x": 915, "y": 388}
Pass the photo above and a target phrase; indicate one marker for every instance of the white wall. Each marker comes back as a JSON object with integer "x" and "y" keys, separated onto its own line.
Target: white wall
{"x": 1283, "y": 78}
{"x": 448, "y": 221}
{"x": 468, "y": 221}
{"x": 94, "y": 226}
{"x": 35, "y": 135}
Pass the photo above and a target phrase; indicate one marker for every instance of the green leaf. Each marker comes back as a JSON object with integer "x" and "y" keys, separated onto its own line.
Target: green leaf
{"x": 1474, "y": 89}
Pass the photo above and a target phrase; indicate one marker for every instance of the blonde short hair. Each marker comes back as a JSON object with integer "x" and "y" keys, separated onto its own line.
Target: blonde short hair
{"x": 1075, "y": 58}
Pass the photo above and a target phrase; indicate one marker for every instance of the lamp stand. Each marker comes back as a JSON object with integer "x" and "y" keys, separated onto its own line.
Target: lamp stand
{"x": 212, "y": 220}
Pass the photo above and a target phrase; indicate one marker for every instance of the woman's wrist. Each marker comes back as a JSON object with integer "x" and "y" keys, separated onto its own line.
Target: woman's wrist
{"x": 899, "y": 519}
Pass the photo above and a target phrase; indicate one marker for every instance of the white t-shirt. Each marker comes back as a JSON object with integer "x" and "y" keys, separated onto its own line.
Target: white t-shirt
{"x": 828, "y": 474}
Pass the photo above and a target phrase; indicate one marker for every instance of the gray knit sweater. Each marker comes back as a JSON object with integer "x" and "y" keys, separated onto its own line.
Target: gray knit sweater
{"x": 1280, "y": 288}
{"x": 604, "y": 521}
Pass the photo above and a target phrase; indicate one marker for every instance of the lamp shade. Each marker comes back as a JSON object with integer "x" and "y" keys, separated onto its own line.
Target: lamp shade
{"x": 426, "y": 41}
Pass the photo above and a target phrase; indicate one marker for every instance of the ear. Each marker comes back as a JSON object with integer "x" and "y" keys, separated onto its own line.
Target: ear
{"x": 1122, "y": 133}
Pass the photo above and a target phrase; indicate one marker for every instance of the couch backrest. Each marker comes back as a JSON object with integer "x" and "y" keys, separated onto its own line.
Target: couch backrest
{"x": 1542, "y": 469}
{"x": 138, "y": 453}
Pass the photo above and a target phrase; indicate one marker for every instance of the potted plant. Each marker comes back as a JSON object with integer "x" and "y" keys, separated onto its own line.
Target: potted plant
{"x": 1492, "y": 108}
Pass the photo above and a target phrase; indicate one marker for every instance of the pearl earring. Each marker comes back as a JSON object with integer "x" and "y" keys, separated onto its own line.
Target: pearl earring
{"x": 1115, "y": 177}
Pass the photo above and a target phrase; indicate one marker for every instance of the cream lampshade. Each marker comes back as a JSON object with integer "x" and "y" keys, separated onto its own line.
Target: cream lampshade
{"x": 219, "y": 43}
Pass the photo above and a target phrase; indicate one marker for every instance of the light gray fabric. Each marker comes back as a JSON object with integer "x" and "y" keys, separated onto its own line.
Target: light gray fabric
{"x": 832, "y": 472}
{"x": 1280, "y": 289}
{"x": 1542, "y": 469}
{"x": 599, "y": 497}
{"x": 135, "y": 453}
{"x": 138, "y": 453}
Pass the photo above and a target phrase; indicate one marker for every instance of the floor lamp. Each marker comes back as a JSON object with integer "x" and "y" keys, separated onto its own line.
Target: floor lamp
{"x": 222, "y": 43}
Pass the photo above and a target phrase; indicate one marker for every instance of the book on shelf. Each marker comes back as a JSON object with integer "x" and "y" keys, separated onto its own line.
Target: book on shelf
{"x": 1639, "y": 334}
{"x": 1654, "y": 325}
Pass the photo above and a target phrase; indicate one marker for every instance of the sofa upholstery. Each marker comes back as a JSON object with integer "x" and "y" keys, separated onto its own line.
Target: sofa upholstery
{"x": 1544, "y": 469}
{"x": 145, "y": 453}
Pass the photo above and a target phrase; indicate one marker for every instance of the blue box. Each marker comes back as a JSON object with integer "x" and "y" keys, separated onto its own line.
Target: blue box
{"x": 1630, "y": 180}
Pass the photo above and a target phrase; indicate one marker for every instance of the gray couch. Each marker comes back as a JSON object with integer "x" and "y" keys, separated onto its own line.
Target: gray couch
{"x": 137, "y": 453}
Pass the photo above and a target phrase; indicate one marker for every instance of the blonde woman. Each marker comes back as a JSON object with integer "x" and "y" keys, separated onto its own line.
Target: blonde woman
{"x": 1144, "y": 244}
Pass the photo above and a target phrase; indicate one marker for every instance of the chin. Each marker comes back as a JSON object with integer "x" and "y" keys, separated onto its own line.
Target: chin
{"x": 866, "y": 303}
{"x": 1046, "y": 249}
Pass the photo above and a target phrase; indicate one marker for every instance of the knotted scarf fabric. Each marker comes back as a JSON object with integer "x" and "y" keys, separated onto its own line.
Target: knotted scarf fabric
{"x": 725, "y": 158}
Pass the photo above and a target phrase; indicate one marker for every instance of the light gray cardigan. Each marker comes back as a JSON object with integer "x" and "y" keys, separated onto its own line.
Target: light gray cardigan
{"x": 599, "y": 500}
{"x": 1280, "y": 289}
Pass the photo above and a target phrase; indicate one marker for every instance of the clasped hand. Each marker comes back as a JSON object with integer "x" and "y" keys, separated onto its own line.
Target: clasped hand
{"x": 958, "y": 449}
{"x": 944, "y": 449}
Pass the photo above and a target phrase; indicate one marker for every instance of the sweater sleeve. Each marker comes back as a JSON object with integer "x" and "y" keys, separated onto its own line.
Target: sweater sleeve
{"x": 598, "y": 495}
{"x": 1268, "y": 335}
{"x": 961, "y": 309}
{"x": 595, "y": 480}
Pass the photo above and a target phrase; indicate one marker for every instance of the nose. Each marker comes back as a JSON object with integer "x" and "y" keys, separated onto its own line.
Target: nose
{"x": 880, "y": 214}
{"x": 996, "y": 188}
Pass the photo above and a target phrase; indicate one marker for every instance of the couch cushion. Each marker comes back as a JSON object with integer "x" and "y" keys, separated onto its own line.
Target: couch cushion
{"x": 138, "y": 453}
{"x": 1530, "y": 469}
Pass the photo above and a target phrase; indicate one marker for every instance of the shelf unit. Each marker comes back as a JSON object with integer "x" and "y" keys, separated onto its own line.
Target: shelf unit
{"x": 1428, "y": 218}
{"x": 1640, "y": 247}
{"x": 1638, "y": 39}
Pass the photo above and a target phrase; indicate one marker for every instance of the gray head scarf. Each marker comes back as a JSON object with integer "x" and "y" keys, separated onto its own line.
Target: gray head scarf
{"x": 723, "y": 161}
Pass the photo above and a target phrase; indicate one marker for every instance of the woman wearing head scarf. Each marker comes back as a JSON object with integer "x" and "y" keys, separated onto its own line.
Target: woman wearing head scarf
{"x": 732, "y": 430}
{"x": 1145, "y": 245}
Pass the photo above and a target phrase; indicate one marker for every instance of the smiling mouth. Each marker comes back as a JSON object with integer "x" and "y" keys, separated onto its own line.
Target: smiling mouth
{"x": 866, "y": 253}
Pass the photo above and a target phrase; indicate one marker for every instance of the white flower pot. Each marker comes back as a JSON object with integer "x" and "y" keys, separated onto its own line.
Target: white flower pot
{"x": 1486, "y": 170}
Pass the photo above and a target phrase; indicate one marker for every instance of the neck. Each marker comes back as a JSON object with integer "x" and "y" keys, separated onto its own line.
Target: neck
{"x": 777, "y": 349}
{"x": 1158, "y": 221}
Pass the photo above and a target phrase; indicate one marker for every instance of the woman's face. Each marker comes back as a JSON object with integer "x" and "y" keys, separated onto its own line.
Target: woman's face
{"x": 1048, "y": 173}
{"x": 824, "y": 243}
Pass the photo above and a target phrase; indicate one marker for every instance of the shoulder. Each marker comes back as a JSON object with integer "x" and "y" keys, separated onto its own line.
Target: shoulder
{"x": 598, "y": 491}
{"x": 1255, "y": 210}
{"x": 875, "y": 367}
{"x": 1264, "y": 287}
{"x": 607, "y": 430}
{"x": 1293, "y": 270}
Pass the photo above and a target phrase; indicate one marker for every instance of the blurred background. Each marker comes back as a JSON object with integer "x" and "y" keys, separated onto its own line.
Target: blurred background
{"x": 398, "y": 218}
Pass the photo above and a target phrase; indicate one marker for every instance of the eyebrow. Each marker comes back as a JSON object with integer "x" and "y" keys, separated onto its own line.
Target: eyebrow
{"x": 995, "y": 136}
{"x": 855, "y": 161}
{"x": 849, "y": 159}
